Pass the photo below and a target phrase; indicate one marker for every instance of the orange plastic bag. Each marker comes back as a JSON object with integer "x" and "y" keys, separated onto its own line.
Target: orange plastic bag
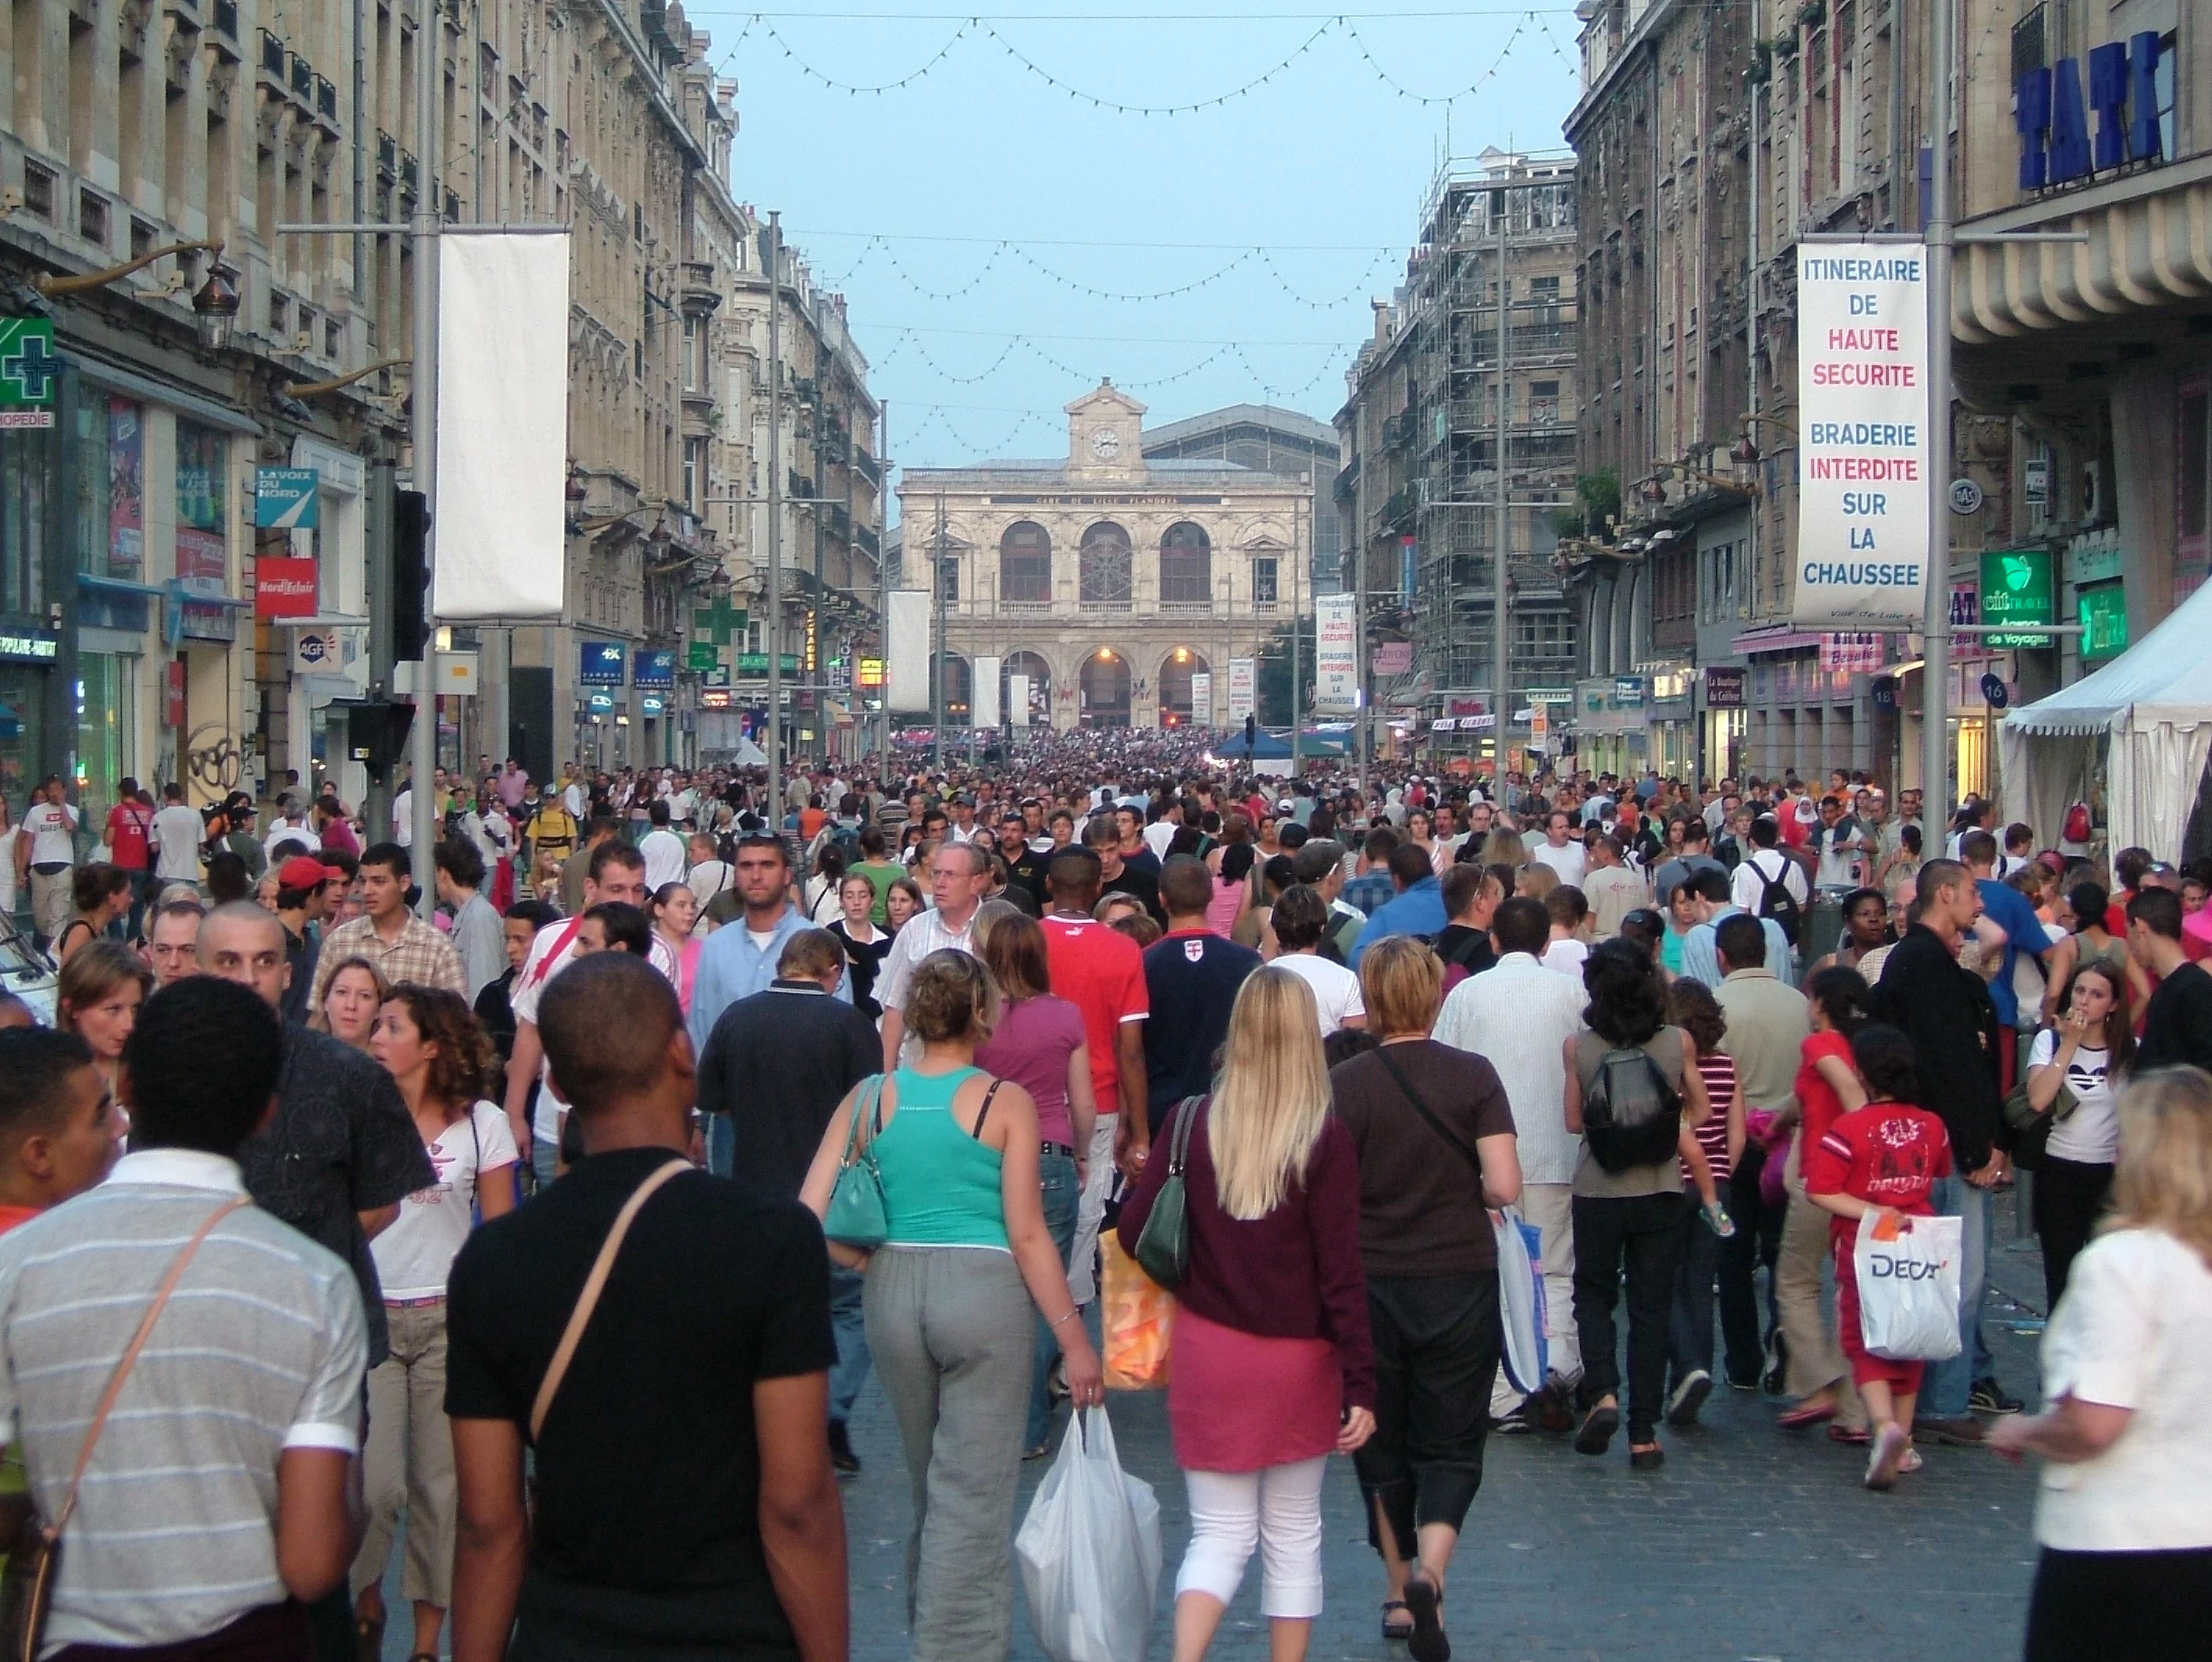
{"x": 1140, "y": 1315}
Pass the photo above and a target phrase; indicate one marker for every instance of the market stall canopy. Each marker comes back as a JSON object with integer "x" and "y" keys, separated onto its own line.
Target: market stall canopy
{"x": 2153, "y": 705}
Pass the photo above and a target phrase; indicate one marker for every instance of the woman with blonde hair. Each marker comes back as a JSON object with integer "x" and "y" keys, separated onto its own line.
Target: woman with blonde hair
{"x": 1273, "y": 1310}
{"x": 1504, "y": 846}
{"x": 949, "y": 1298}
{"x": 1434, "y": 1134}
{"x": 2124, "y": 1517}
{"x": 356, "y": 991}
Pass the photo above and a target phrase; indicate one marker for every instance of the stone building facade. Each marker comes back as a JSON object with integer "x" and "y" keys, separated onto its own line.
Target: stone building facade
{"x": 1110, "y": 579}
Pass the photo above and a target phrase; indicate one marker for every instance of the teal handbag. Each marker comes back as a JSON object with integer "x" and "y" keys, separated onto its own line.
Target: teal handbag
{"x": 1163, "y": 1244}
{"x": 857, "y": 1217}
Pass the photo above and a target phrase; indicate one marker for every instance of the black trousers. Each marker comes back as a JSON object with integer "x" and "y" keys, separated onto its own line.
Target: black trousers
{"x": 2070, "y": 1196}
{"x": 1436, "y": 1340}
{"x": 1757, "y": 1240}
{"x": 1643, "y": 1235}
{"x": 2098, "y": 1606}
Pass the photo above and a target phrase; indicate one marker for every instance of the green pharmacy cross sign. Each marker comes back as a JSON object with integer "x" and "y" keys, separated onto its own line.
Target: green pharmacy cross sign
{"x": 29, "y": 372}
{"x": 720, "y": 621}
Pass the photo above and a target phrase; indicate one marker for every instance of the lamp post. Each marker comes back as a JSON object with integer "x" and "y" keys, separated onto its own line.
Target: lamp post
{"x": 214, "y": 303}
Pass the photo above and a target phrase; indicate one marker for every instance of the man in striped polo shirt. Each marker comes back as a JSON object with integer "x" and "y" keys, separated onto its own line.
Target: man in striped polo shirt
{"x": 218, "y": 1501}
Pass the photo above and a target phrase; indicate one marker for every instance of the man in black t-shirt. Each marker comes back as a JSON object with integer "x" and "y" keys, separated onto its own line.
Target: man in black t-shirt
{"x": 1117, "y": 876}
{"x": 2177, "y": 1020}
{"x": 1192, "y": 977}
{"x": 685, "y": 1500}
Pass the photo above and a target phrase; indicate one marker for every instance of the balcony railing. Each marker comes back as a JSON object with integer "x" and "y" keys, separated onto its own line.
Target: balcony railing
{"x": 1105, "y": 607}
{"x": 1026, "y": 608}
{"x": 1186, "y": 608}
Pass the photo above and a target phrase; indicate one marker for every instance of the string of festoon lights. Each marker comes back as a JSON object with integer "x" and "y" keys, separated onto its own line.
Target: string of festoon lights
{"x": 880, "y": 249}
{"x": 1527, "y": 25}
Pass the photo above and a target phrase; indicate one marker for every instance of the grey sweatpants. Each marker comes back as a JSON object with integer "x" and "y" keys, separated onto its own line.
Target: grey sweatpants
{"x": 951, "y": 1329}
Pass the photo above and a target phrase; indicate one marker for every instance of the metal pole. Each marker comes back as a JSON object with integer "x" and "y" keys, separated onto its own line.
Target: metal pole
{"x": 1297, "y": 719}
{"x": 1935, "y": 623}
{"x": 937, "y": 680}
{"x": 774, "y": 631}
{"x": 1501, "y": 622}
{"x": 884, "y": 581}
{"x": 429, "y": 53}
{"x": 1359, "y": 665}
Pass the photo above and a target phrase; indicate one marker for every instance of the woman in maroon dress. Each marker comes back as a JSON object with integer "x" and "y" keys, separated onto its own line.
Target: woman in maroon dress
{"x": 1273, "y": 1310}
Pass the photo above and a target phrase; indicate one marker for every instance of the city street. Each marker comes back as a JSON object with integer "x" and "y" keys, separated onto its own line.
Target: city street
{"x": 1752, "y": 1544}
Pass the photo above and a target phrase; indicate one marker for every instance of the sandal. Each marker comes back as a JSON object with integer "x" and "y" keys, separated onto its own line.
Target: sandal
{"x": 1391, "y": 1629}
{"x": 1804, "y": 1419}
{"x": 1646, "y": 1457}
{"x": 1427, "y": 1642}
{"x": 1595, "y": 1435}
{"x": 369, "y": 1638}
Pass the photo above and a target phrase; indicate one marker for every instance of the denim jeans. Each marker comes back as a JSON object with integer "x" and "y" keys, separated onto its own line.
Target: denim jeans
{"x": 544, "y": 1161}
{"x": 1690, "y": 1334}
{"x": 1060, "y": 1193}
{"x": 849, "y": 1326}
{"x": 1948, "y": 1384}
{"x": 722, "y": 1145}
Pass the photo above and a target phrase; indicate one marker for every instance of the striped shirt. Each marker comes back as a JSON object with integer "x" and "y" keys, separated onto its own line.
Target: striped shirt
{"x": 1717, "y": 1068}
{"x": 262, "y": 1348}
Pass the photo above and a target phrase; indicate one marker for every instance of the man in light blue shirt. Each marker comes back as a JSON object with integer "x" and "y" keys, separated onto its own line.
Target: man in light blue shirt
{"x": 1418, "y": 910}
{"x": 739, "y": 959}
{"x": 1701, "y": 962}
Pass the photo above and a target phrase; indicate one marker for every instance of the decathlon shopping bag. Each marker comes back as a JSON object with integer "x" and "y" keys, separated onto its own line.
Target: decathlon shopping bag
{"x": 1089, "y": 1550}
{"x": 1520, "y": 1299}
{"x": 1139, "y": 1320}
{"x": 1908, "y": 1277}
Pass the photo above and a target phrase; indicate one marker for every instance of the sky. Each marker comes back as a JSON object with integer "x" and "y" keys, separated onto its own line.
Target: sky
{"x": 986, "y": 213}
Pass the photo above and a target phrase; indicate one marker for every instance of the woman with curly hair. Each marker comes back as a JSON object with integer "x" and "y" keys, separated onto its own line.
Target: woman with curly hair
{"x": 436, "y": 1052}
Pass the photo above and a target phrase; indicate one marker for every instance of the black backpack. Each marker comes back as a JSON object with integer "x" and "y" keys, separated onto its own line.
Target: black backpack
{"x": 1632, "y": 1115}
{"x": 1775, "y": 899}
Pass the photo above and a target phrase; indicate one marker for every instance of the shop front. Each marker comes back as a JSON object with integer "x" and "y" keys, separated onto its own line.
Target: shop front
{"x": 1665, "y": 689}
{"x": 1609, "y": 724}
{"x": 1721, "y": 689}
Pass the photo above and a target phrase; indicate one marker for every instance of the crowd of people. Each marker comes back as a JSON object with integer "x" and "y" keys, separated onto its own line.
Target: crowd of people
{"x": 946, "y": 1029}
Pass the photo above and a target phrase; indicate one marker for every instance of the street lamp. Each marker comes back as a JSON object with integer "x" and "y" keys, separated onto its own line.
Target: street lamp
{"x": 215, "y": 305}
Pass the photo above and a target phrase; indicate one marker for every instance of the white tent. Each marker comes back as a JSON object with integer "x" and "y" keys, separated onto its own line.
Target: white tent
{"x": 2153, "y": 706}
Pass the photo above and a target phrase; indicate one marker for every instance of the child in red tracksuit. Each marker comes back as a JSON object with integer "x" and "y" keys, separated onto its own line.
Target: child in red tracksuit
{"x": 1883, "y": 1157}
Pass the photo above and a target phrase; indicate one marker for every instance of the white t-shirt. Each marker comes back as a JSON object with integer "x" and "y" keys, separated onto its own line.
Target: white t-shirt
{"x": 178, "y": 831}
{"x": 1748, "y": 886}
{"x": 1335, "y": 989}
{"x": 403, "y": 818}
{"x": 414, "y": 1255}
{"x": 1567, "y": 956}
{"x": 664, "y": 854}
{"x": 553, "y": 951}
{"x": 2134, "y": 1330}
{"x": 50, "y": 826}
{"x": 291, "y": 836}
{"x": 710, "y": 877}
{"x": 1569, "y": 862}
{"x": 2090, "y": 1134}
{"x": 1157, "y": 835}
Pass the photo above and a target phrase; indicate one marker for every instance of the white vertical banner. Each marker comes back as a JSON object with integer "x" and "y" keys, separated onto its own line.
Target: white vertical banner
{"x": 1244, "y": 689}
{"x": 908, "y": 674}
{"x": 502, "y": 425}
{"x": 983, "y": 705}
{"x": 1201, "y": 698}
{"x": 1863, "y": 420}
{"x": 1336, "y": 659}
{"x": 1018, "y": 699}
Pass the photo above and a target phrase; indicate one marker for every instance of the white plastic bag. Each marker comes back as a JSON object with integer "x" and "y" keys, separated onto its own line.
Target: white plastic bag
{"x": 1908, "y": 1277}
{"x": 1090, "y": 1551}
{"x": 1521, "y": 1300}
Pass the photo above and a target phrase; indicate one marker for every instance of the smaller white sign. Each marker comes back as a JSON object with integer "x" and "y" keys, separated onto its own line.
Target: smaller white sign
{"x": 1244, "y": 689}
{"x": 1018, "y": 699}
{"x": 1336, "y": 656}
{"x": 1201, "y": 698}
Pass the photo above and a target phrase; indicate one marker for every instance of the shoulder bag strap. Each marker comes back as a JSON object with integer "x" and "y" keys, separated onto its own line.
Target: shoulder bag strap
{"x": 1422, "y": 1108}
{"x": 594, "y": 1284}
{"x": 984, "y": 1113}
{"x": 1186, "y": 1113}
{"x": 131, "y": 1359}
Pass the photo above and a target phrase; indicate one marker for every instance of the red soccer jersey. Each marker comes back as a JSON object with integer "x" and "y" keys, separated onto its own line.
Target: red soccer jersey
{"x": 127, "y": 826}
{"x": 1887, "y": 1153}
{"x": 1100, "y": 972}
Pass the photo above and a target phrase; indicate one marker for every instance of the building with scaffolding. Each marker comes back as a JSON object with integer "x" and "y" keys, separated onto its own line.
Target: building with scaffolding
{"x": 1458, "y": 440}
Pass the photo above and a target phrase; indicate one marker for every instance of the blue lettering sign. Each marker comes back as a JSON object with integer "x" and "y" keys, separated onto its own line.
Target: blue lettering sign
{"x": 601, "y": 663}
{"x": 2108, "y": 97}
{"x": 2031, "y": 115}
{"x": 2145, "y": 141}
{"x": 2070, "y": 124}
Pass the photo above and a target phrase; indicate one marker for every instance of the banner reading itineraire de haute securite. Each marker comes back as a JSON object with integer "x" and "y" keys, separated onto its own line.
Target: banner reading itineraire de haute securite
{"x": 1863, "y": 431}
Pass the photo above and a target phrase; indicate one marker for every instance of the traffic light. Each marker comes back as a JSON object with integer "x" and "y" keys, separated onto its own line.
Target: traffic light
{"x": 411, "y": 574}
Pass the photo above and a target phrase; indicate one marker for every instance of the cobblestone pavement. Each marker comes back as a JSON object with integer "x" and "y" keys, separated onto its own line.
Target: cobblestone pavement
{"x": 1751, "y": 1545}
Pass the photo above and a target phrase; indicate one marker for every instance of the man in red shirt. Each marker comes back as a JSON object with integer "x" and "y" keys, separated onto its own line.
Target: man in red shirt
{"x": 1102, "y": 973}
{"x": 128, "y": 825}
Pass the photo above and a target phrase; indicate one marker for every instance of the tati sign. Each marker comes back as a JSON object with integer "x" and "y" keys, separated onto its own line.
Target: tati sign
{"x": 284, "y": 587}
{"x": 1862, "y": 398}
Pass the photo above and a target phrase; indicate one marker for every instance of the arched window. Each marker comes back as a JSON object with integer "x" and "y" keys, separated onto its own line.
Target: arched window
{"x": 1103, "y": 563}
{"x": 1040, "y": 675}
{"x": 959, "y": 688}
{"x": 1025, "y": 564}
{"x": 1186, "y": 565}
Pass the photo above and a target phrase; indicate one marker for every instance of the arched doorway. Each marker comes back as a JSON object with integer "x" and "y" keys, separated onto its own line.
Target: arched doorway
{"x": 1105, "y": 686}
{"x": 959, "y": 689}
{"x": 1040, "y": 675}
{"x": 1177, "y": 707}
{"x": 1103, "y": 568}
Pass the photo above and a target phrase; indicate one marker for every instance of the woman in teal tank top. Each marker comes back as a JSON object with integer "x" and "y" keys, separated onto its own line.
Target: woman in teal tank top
{"x": 967, "y": 1268}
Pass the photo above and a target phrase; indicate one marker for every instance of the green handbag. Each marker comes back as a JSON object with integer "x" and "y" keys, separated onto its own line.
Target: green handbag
{"x": 857, "y": 1217}
{"x": 1163, "y": 1244}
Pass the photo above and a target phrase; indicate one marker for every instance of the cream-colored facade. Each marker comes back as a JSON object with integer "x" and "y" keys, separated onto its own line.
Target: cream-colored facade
{"x": 1110, "y": 580}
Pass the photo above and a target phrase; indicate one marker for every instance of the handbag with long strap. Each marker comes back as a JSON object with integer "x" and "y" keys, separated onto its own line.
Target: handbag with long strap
{"x": 1163, "y": 1244}
{"x": 588, "y": 1300}
{"x": 34, "y": 1561}
{"x": 857, "y": 1216}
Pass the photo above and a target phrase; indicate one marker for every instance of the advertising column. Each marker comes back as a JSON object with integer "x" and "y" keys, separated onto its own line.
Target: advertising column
{"x": 1862, "y": 558}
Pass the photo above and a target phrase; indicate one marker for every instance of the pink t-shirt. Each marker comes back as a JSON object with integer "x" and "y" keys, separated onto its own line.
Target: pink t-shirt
{"x": 1031, "y": 1045}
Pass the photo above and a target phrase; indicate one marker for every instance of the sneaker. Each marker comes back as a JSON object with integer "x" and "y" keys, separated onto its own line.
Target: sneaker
{"x": 842, "y": 1458}
{"x": 1988, "y": 1397}
{"x": 1717, "y": 1220}
{"x": 1689, "y": 1396}
{"x": 1890, "y": 1446}
{"x": 1778, "y": 1365}
{"x": 1965, "y": 1432}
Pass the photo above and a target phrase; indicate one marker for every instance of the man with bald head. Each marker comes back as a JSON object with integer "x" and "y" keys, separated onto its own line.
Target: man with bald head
{"x": 343, "y": 1151}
